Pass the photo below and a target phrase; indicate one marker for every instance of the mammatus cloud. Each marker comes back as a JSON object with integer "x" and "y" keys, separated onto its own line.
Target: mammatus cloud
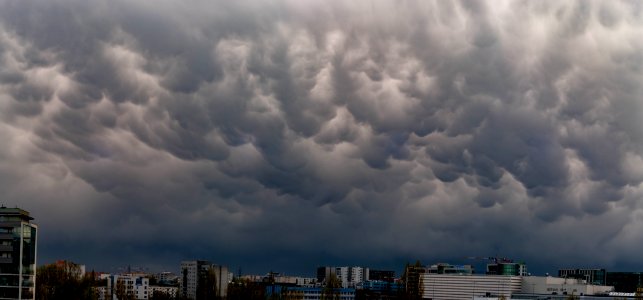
{"x": 292, "y": 132}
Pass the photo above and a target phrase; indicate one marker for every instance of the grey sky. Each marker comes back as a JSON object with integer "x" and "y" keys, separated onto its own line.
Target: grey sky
{"x": 287, "y": 134}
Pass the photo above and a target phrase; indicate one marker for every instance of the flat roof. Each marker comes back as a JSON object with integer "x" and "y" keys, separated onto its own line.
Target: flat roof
{"x": 7, "y": 211}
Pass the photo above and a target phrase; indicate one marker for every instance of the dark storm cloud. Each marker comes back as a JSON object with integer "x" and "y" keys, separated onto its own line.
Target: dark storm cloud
{"x": 316, "y": 130}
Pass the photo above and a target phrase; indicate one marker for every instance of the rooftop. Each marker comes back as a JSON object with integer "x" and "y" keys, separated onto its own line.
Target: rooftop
{"x": 7, "y": 211}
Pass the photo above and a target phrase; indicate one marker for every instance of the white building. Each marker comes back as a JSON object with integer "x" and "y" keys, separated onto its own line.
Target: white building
{"x": 466, "y": 287}
{"x": 137, "y": 286}
{"x": 296, "y": 280}
{"x": 561, "y": 286}
{"x": 349, "y": 277}
{"x": 342, "y": 275}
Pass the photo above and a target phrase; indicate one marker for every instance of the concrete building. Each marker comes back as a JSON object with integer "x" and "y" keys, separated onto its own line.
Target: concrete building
{"x": 412, "y": 279}
{"x": 343, "y": 277}
{"x": 171, "y": 291}
{"x": 295, "y": 280}
{"x": 348, "y": 277}
{"x": 562, "y": 286}
{"x": 18, "y": 251}
{"x": 466, "y": 287}
{"x": 324, "y": 273}
{"x": 166, "y": 278}
{"x": 199, "y": 279}
{"x": 592, "y": 276}
{"x": 128, "y": 284}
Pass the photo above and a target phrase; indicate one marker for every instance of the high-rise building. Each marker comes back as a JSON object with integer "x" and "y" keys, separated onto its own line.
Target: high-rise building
{"x": 325, "y": 273}
{"x": 203, "y": 280}
{"x": 411, "y": 278}
{"x": 18, "y": 237}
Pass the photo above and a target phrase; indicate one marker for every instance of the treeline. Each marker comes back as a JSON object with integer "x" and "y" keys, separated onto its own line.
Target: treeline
{"x": 63, "y": 281}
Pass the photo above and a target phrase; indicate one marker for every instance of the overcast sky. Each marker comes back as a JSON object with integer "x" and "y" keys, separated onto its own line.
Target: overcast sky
{"x": 282, "y": 135}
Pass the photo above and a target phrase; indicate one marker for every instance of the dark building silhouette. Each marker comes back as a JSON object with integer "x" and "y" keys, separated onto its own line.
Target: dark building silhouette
{"x": 381, "y": 275}
{"x": 625, "y": 282}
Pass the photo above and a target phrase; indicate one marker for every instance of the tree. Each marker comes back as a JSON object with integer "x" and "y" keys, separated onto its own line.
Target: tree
{"x": 331, "y": 290}
{"x": 62, "y": 281}
{"x": 243, "y": 289}
{"x": 121, "y": 291}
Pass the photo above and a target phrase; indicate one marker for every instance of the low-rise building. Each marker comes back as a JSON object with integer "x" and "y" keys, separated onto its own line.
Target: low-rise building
{"x": 592, "y": 276}
{"x": 562, "y": 286}
{"x": 131, "y": 285}
{"x": 171, "y": 291}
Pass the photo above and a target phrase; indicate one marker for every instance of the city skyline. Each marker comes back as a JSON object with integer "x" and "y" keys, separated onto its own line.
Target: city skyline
{"x": 295, "y": 134}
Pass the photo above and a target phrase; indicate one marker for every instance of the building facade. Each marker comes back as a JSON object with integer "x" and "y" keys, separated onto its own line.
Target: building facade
{"x": 466, "y": 287}
{"x": 507, "y": 268}
{"x": 127, "y": 286}
{"x": 203, "y": 280}
{"x": 18, "y": 241}
{"x": 170, "y": 291}
{"x": 444, "y": 268}
{"x": 562, "y": 286}
{"x": 591, "y": 276}
{"x": 381, "y": 275}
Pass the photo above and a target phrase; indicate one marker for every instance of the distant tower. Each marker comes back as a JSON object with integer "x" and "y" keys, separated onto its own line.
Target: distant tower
{"x": 17, "y": 254}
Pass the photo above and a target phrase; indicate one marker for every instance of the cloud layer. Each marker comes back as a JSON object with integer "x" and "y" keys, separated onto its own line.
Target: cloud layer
{"x": 289, "y": 134}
